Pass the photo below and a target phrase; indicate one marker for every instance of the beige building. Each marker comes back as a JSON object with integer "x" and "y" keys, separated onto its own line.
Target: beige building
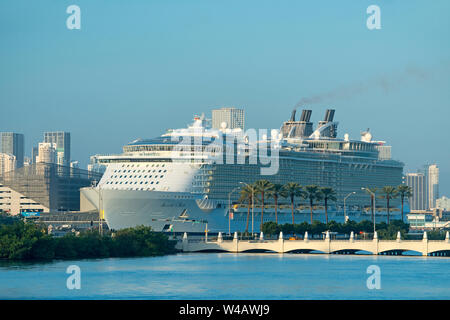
{"x": 14, "y": 202}
{"x": 7, "y": 163}
{"x": 46, "y": 153}
{"x": 443, "y": 203}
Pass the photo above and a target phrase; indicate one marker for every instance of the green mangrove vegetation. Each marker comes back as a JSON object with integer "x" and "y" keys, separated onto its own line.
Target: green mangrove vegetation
{"x": 21, "y": 240}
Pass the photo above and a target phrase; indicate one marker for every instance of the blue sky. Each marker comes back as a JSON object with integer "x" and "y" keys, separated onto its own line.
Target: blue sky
{"x": 135, "y": 70}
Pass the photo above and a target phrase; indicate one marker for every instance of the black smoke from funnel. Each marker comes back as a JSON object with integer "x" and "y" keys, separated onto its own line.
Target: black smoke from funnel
{"x": 385, "y": 82}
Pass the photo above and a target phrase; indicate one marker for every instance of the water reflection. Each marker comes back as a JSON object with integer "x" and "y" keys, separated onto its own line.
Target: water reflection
{"x": 231, "y": 276}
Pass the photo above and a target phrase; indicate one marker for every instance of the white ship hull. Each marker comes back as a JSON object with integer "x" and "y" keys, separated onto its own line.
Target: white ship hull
{"x": 182, "y": 182}
{"x": 169, "y": 212}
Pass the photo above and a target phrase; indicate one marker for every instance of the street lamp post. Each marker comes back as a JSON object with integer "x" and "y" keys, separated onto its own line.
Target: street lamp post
{"x": 253, "y": 196}
{"x": 229, "y": 210}
{"x": 374, "y": 208}
{"x": 100, "y": 208}
{"x": 345, "y": 215}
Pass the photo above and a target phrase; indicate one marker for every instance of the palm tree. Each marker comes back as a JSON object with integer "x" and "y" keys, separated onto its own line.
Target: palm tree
{"x": 388, "y": 193}
{"x": 405, "y": 192}
{"x": 328, "y": 194}
{"x": 247, "y": 194}
{"x": 276, "y": 192}
{"x": 292, "y": 190}
{"x": 312, "y": 193}
{"x": 263, "y": 186}
{"x": 372, "y": 199}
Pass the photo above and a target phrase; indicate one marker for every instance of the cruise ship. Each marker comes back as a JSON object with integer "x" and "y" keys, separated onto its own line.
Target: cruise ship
{"x": 188, "y": 180}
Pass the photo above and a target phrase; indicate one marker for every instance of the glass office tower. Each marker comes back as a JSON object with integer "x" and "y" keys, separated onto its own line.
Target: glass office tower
{"x": 13, "y": 143}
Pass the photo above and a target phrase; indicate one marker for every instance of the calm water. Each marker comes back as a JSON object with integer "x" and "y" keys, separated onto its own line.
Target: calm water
{"x": 231, "y": 276}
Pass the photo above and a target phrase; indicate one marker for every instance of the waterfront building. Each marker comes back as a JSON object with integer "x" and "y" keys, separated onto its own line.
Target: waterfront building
{"x": 432, "y": 173}
{"x": 14, "y": 202}
{"x": 425, "y": 185}
{"x": 419, "y": 198}
{"x": 232, "y": 118}
{"x": 46, "y": 153}
{"x": 443, "y": 203}
{"x": 13, "y": 143}
{"x": 62, "y": 141}
{"x": 7, "y": 163}
{"x": 43, "y": 187}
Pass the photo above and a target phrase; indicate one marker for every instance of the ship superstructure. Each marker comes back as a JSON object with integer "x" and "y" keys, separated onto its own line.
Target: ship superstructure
{"x": 187, "y": 178}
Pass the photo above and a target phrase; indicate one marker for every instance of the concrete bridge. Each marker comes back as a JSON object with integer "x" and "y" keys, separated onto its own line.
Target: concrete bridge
{"x": 379, "y": 247}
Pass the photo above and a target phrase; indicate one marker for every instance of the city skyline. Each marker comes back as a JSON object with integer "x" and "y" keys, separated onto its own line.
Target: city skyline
{"x": 109, "y": 85}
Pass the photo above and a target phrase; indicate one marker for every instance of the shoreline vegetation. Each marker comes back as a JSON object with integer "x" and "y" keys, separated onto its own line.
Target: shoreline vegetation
{"x": 385, "y": 231}
{"x": 27, "y": 241}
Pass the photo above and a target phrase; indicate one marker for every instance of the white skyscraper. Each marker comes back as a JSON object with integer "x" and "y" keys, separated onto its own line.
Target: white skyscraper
{"x": 46, "y": 153}
{"x": 433, "y": 185}
{"x": 419, "y": 197}
{"x": 233, "y": 118}
{"x": 7, "y": 163}
{"x": 62, "y": 146}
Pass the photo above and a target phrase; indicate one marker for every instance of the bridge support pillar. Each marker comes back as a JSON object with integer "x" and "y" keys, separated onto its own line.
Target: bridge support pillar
{"x": 447, "y": 237}
{"x": 425, "y": 244}
{"x": 235, "y": 242}
{"x": 281, "y": 243}
{"x": 375, "y": 243}
{"x": 328, "y": 241}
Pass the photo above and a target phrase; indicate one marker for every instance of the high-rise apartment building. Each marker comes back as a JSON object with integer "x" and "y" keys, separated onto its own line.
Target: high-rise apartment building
{"x": 13, "y": 144}
{"x": 418, "y": 184}
{"x": 7, "y": 163}
{"x": 425, "y": 187}
{"x": 46, "y": 153}
{"x": 62, "y": 141}
{"x": 433, "y": 185}
{"x": 232, "y": 118}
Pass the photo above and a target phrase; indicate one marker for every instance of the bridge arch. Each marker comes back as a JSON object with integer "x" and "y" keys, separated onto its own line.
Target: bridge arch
{"x": 300, "y": 251}
{"x": 351, "y": 251}
{"x": 213, "y": 251}
{"x": 397, "y": 252}
{"x": 258, "y": 251}
{"x": 440, "y": 253}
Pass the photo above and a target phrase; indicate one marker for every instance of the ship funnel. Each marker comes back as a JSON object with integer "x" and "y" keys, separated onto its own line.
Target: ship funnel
{"x": 329, "y": 115}
{"x": 306, "y": 115}
{"x": 297, "y": 129}
{"x": 293, "y": 115}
